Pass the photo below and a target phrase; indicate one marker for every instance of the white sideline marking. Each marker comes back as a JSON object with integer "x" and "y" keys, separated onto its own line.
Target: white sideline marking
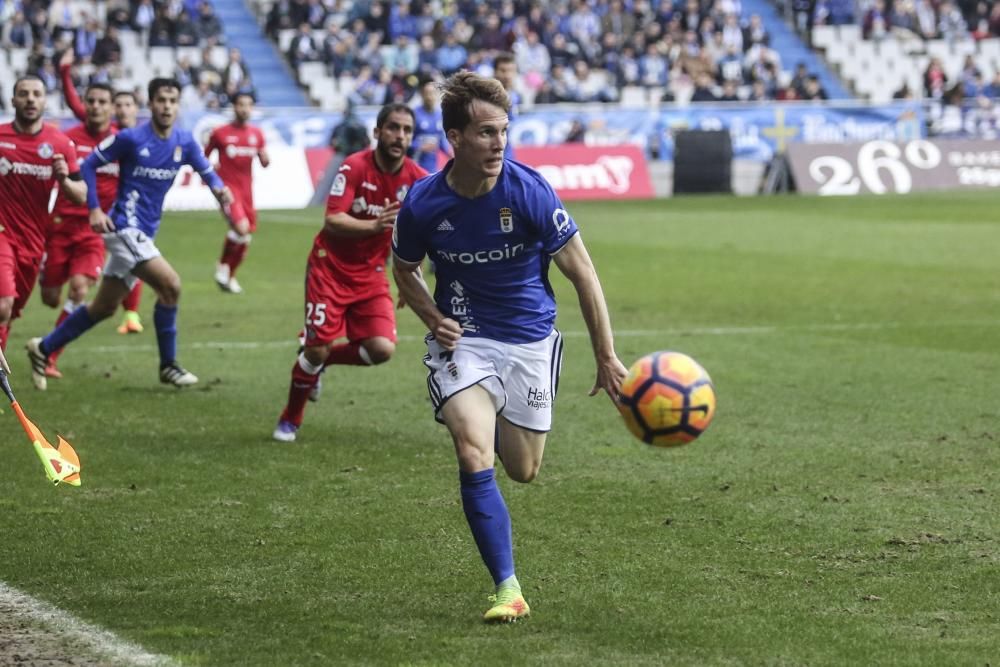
{"x": 291, "y": 341}
{"x": 68, "y": 629}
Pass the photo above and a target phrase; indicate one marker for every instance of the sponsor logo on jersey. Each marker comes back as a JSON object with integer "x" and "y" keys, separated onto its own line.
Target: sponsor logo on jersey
{"x": 41, "y": 171}
{"x": 401, "y": 192}
{"x": 368, "y": 186}
{"x": 45, "y": 151}
{"x": 539, "y": 398}
{"x": 339, "y": 185}
{"x": 506, "y": 220}
{"x": 178, "y": 153}
{"x": 4, "y": 144}
{"x": 154, "y": 173}
{"x": 233, "y": 151}
{"x": 460, "y": 309}
{"x": 445, "y": 226}
{"x": 361, "y": 205}
{"x": 560, "y": 218}
{"x": 482, "y": 256}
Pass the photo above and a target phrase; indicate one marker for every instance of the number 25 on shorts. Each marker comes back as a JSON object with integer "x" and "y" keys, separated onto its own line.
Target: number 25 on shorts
{"x": 315, "y": 314}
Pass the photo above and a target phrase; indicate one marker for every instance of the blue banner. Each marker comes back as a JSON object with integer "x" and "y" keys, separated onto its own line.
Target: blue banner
{"x": 758, "y": 131}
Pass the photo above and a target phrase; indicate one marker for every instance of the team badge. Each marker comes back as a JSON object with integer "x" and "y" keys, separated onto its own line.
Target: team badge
{"x": 506, "y": 220}
{"x": 401, "y": 192}
{"x": 45, "y": 151}
{"x": 339, "y": 185}
{"x": 178, "y": 153}
{"x": 321, "y": 253}
{"x": 5, "y": 166}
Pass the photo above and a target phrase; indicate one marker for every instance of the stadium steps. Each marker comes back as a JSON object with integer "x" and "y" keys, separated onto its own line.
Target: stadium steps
{"x": 792, "y": 49}
{"x": 275, "y": 84}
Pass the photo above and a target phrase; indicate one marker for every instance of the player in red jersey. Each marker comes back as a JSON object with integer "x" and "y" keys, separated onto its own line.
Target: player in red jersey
{"x": 34, "y": 159}
{"x": 347, "y": 292}
{"x": 126, "y": 113}
{"x": 74, "y": 252}
{"x": 237, "y": 143}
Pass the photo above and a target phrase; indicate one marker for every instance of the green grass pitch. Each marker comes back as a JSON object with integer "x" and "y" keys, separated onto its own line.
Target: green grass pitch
{"x": 842, "y": 509}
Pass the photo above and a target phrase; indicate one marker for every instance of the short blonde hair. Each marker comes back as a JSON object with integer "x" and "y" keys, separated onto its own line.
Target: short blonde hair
{"x": 460, "y": 90}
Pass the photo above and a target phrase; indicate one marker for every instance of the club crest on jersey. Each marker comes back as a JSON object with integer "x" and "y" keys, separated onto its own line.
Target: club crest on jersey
{"x": 178, "y": 153}
{"x": 401, "y": 192}
{"x": 45, "y": 151}
{"x": 339, "y": 184}
{"x": 506, "y": 220}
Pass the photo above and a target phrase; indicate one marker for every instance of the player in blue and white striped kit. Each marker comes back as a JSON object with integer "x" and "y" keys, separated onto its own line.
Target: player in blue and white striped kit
{"x": 149, "y": 157}
{"x": 492, "y": 227}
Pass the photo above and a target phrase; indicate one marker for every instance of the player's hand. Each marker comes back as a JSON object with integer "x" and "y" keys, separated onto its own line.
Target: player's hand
{"x": 400, "y": 301}
{"x": 60, "y": 170}
{"x": 100, "y": 222}
{"x": 447, "y": 332}
{"x": 67, "y": 58}
{"x": 386, "y": 220}
{"x": 610, "y": 375}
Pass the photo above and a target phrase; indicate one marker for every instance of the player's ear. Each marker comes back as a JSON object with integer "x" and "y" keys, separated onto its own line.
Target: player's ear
{"x": 454, "y": 137}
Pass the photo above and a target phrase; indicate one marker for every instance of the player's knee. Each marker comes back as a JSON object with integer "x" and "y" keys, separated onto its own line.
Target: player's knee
{"x": 316, "y": 354}
{"x": 169, "y": 291}
{"x": 78, "y": 292}
{"x": 380, "y": 350}
{"x": 523, "y": 471}
{"x": 50, "y": 298}
{"x": 6, "y": 308}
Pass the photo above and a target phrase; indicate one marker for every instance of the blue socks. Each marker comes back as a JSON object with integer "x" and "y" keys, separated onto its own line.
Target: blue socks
{"x": 489, "y": 521}
{"x": 71, "y": 328}
{"x": 165, "y": 320}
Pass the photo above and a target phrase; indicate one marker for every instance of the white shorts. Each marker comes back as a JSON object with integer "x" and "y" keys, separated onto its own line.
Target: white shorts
{"x": 521, "y": 379}
{"x": 127, "y": 248}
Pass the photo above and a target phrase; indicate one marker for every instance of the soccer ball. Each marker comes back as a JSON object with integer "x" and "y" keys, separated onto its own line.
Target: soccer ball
{"x": 667, "y": 399}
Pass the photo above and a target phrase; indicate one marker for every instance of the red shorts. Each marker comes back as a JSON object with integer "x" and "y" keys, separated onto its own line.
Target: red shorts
{"x": 74, "y": 250}
{"x": 18, "y": 273}
{"x": 242, "y": 207}
{"x": 335, "y": 310}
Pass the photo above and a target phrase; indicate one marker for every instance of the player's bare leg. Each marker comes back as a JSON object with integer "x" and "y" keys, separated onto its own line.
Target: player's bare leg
{"x": 234, "y": 250}
{"x": 76, "y": 296}
{"x": 131, "y": 322}
{"x": 306, "y": 375}
{"x": 470, "y": 416}
{"x": 520, "y": 450}
{"x": 158, "y": 274}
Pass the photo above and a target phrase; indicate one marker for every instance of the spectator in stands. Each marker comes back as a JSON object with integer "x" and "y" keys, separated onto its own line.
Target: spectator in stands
{"x": 199, "y": 98}
{"x": 876, "y": 23}
{"x": 992, "y": 91}
{"x": 208, "y": 69}
{"x": 704, "y": 89}
{"x": 47, "y": 73}
{"x": 903, "y": 93}
{"x": 951, "y": 24}
{"x": 926, "y": 19}
{"x": 934, "y": 80}
{"x": 85, "y": 40}
{"x": 315, "y": 14}
{"x": 108, "y": 49}
{"x": 450, "y": 56}
{"x": 629, "y": 68}
{"x": 533, "y": 58}
{"x": 653, "y": 67}
{"x": 185, "y": 72}
{"x": 143, "y": 16}
{"x": 342, "y": 57}
{"x": 577, "y": 133}
{"x": 995, "y": 20}
{"x": 161, "y": 32}
{"x": 759, "y": 92}
{"x": 491, "y": 37}
{"x": 427, "y": 57}
{"x": 185, "y": 30}
{"x": 730, "y": 91}
{"x": 403, "y": 56}
{"x": 279, "y": 18}
{"x": 209, "y": 25}
{"x": 586, "y": 85}
{"x": 732, "y": 33}
{"x": 377, "y": 20}
{"x": 236, "y": 76}
{"x": 730, "y": 66}
{"x": 401, "y": 22}
{"x": 814, "y": 89}
{"x": 16, "y": 33}
{"x": 64, "y": 17}
{"x": 303, "y": 47}
{"x": 562, "y": 51}
{"x": 118, "y": 16}
{"x": 755, "y": 33}
{"x": 373, "y": 86}
{"x": 798, "y": 82}
{"x": 616, "y": 20}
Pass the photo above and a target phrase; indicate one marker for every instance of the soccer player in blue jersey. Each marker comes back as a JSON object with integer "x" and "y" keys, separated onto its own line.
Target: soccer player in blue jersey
{"x": 429, "y": 138}
{"x": 493, "y": 226}
{"x": 149, "y": 156}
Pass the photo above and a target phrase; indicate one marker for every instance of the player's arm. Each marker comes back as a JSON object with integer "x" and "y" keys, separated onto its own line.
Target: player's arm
{"x": 72, "y": 98}
{"x": 109, "y": 150}
{"x": 70, "y": 183}
{"x": 200, "y": 163}
{"x": 415, "y": 293}
{"x": 574, "y": 262}
{"x": 262, "y": 154}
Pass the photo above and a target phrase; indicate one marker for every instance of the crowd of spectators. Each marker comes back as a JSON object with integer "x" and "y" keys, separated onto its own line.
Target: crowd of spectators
{"x": 881, "y": 19}
{"x": 93, "y": 31}
{"x": 566, "y": 50}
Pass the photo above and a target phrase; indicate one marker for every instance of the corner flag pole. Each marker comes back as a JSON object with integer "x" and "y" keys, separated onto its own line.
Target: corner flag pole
{"x": 61, "y": 463}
